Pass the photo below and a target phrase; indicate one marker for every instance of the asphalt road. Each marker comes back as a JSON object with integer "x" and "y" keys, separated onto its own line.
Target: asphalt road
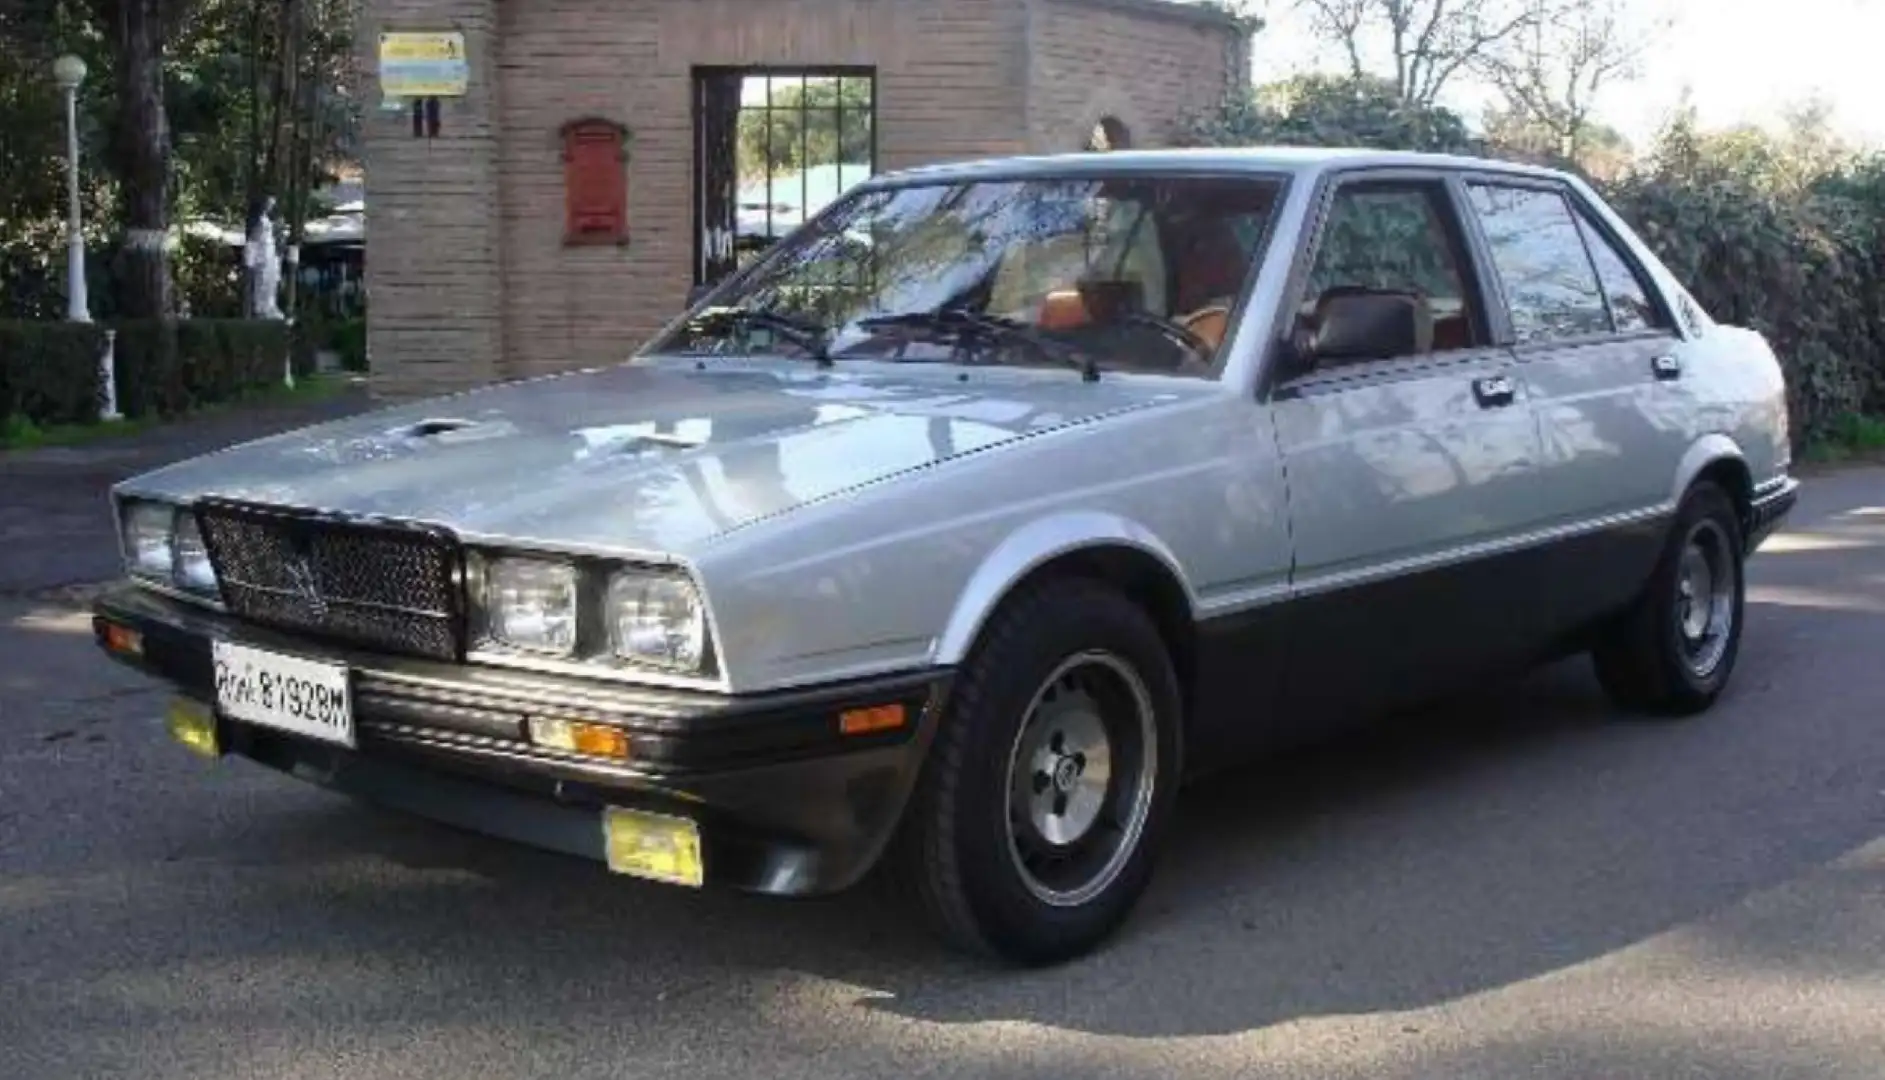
{"x": 1520, "y": 884}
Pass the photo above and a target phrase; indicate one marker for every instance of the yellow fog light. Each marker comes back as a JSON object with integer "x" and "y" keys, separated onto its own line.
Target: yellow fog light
{"x": 653, "y": 846}
{"x": 194, "y": 726}
{"x": 577, "y": 737}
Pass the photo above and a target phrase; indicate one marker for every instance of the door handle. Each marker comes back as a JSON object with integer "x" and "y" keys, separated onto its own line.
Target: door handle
{"x": 1666, "y": 367}
{"x": 1494, "y": 391}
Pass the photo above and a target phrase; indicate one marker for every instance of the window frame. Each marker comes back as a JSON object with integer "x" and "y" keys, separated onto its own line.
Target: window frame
{"x": 698, "y": 74}
{"x": 1575, "y": 205}
{"x": 1477, "y": 279}
{"x": 1646, "y": 281}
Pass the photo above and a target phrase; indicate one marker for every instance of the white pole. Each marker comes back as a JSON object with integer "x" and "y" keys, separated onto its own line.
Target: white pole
{"x": 293, "y": 260}
{"x": 78, "y": 306}
{"x": 108, "y": 378}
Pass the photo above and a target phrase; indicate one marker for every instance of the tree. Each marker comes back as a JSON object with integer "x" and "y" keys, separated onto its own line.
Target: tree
{"x": 166, "y": 133}
{"x": 1603, "y": 152}
{"x": 802, "y": 129}
{"x": 1332, "y": 110}
{"x": 1566, "y": 53}
{"x": 140, "y": 154}
{"x": 1419, "y": 45}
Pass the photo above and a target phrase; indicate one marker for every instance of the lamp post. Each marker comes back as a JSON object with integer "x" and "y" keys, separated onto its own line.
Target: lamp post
{"x": 68, "y": 72}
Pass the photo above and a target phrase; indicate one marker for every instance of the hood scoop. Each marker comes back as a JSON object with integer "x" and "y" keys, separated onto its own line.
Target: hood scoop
{"x": 432, "y": 428}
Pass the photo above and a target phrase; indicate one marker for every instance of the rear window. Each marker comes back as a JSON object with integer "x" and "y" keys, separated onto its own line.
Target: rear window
{"x": 1550, "y": 283}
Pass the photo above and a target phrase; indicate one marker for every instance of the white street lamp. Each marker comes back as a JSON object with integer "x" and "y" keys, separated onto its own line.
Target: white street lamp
{"x": 68, "y": 72}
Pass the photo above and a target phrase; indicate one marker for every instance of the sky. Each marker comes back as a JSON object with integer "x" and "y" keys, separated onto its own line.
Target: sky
{"x": 1741, "y": 60}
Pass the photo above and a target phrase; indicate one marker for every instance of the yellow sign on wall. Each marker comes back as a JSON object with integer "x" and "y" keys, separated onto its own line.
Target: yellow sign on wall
{"x": 423, "y": 65}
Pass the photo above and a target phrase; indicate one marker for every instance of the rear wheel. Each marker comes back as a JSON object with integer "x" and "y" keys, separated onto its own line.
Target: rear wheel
{"x": 1034, "y": 827}
{"x": 1672, "y": 652}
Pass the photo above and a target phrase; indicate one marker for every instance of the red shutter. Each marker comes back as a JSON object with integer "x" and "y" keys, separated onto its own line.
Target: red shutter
{"x": 595, "y": 182}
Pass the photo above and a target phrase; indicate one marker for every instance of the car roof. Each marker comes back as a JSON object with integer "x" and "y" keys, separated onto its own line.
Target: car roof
{"x": 1296, "y": 160}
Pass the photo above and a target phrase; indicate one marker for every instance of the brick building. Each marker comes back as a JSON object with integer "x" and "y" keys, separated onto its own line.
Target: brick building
{"x": 504, "y": 245}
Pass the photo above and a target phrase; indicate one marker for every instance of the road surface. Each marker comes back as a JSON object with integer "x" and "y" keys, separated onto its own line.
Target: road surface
{"x": 1517, "y": 885}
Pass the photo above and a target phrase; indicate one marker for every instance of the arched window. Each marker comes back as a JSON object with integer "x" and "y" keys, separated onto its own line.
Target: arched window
{"x": 1110, "y": 133}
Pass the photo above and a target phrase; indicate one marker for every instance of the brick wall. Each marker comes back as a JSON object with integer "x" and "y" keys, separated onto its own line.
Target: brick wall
{"x": 948, "y": 77}
{"x": 1146, "y": 63}
{"x": 433, "y": 269}
{"x": 468, "y": 275}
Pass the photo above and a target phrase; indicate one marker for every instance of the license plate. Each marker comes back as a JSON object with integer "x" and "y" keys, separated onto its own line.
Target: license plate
{"x": 287, "y": 693}
{"x": 653, "y": 846}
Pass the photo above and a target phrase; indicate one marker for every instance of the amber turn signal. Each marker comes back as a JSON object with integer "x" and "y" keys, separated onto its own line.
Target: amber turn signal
{"x": 872, "y": 720}
{"x": 123, "y": 639}
{"x": 577, "y": 737}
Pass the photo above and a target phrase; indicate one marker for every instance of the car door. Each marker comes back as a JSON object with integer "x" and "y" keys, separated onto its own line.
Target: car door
{"x": 1408, "y": 477}
{"x": 1603, "y": 364}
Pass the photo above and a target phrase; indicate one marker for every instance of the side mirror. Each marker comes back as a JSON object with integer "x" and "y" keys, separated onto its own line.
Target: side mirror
{"x": 1355, "y": 326}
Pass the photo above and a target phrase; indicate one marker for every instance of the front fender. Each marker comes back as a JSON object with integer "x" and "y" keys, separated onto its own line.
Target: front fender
{"x": 1032, "y": 546}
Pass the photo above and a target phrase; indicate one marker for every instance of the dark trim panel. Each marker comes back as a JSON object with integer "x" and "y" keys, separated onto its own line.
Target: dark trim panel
{"x": 1325, "y": 661}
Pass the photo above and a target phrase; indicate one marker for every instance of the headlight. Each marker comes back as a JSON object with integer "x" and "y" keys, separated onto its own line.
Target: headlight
{"x": 163, "y": 546}
{"x": 531, "y": 604}
{"x": 656, "y": 619}
{"x": 190, "y": 559}
{"x": 149, "y": 529}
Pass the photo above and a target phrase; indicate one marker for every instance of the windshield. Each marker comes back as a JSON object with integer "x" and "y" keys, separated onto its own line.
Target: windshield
{"x": 1137, "y": 273}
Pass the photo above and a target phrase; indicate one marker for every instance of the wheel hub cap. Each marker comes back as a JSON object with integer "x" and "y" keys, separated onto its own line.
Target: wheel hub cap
{"x": 1071, "y": 765}
{"x": 1080, "y": 778}
{"x": 1705, "y": 598}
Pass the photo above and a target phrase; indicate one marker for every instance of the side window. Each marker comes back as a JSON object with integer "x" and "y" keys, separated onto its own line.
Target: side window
{"x": 1630, "y": 305}
{"x": 1396, "y": 237}
{"x": 1540, "y": 256}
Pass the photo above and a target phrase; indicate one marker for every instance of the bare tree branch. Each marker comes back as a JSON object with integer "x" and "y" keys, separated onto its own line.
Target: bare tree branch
{"x": 1553, "y": 75}
{"x": 1420, "y": 45}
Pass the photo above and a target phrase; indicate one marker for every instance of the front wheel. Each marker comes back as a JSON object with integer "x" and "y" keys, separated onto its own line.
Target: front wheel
{"x": 1034, "y": 827}
{"x": 1671, "y": 653}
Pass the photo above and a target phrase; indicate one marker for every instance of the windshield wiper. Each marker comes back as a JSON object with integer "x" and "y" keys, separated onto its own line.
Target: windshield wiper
{"x": 809, "y": 336}
{"x": 965, "y": 324}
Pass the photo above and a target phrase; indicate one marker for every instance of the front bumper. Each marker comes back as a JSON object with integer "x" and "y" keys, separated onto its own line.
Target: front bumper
{"x": 785, "y": 802}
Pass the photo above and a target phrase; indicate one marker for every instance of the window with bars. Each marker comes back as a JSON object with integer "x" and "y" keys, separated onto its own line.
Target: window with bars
{"x": 774, "y": 148}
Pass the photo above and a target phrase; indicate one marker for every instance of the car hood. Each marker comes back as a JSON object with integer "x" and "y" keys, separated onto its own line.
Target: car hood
{"x": 650, "y": 458}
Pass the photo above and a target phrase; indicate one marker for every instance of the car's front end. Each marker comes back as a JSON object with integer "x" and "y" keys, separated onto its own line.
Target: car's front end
{"x": 502, "y": 611}
{"x": 346, "y": 650}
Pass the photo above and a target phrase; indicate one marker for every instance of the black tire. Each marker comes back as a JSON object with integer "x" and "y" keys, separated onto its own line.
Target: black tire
{"x": 1650, "y": 660}
{"x": 962, "y": 845}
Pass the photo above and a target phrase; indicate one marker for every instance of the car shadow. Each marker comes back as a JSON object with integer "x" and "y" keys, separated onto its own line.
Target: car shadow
{"x": 1480, "y": 842}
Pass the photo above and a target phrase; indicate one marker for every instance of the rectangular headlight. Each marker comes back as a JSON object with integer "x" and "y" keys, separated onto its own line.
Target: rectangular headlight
{"x": 190, "y": 558}
{"x": 531, "y": 604}
{"x": 656, "y": 618}
{"x": 149, "y": 531}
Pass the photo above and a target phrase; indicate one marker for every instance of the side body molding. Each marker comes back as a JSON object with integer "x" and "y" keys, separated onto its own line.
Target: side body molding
{"x": 1034, "y": 545}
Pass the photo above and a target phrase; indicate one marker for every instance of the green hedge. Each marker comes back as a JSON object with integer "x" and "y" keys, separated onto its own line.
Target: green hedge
{"x": 347, "y": 337}
{"x": 1807, "y": 270}
{"x": 49, "y": 371}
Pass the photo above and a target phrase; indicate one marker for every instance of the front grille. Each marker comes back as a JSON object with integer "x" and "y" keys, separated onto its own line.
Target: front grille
{"x": 391, "y": 587}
